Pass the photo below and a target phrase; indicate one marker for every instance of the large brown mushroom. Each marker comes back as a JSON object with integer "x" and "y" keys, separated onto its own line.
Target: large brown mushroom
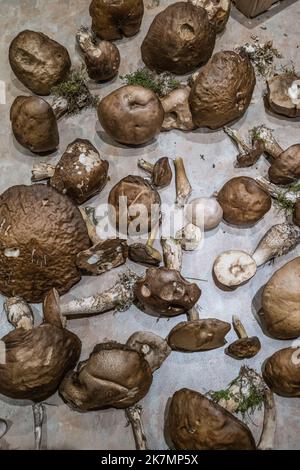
{"x": 39, "y": 62}
{"x": 222, "y": 90}
{"x": 281, "y": 372}
{"x": 111, "y": 19}
{"x": 218, "y": 11}
{"x": 281, "y": 302}
{"x": 41, "y": 233}
{"x": 134, "y": 204}
{"x": 179, "y": 39}
{"x": 131, "y": 115}
{"x": 80, "y": 172}
{"x": 243, "y": 201}
{"x": 283, "y": 96}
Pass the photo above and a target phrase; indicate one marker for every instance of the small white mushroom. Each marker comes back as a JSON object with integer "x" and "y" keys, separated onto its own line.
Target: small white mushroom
{"x": 205, "y": 212}
{"x": 183, "y": 186}
{"x": 233, "y": 268}
{"x": 190, "y": 237}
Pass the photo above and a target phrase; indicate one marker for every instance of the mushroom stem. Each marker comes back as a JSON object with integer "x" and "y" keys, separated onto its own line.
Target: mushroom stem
{"x": 193, "y": 314}
{"x": 60, "y": 106}
{"x": 267, "y": 438}
{"x": 276, "y": 192}
{"x": 239, "y": 327}
{"x": 85, "y": 39}
{"x": 38, "y": 417}
{"x": 146, "y": 166}
{"x": 19, "y": 313}
{"x": 172, "y": 253}
{"x": 247, "y": 156}
{"x": 88, "y": 216}
{"x": 183, "y": 186}
{"x": 153, "y": 234}
{"x": 238, "y": 140}
{"x": 3, "y": 427}
{"x": 42, "y": 171}
{"x": 265, "y": 135}
{"x": 278, "y": 241}
{"x": 133, "y": 414}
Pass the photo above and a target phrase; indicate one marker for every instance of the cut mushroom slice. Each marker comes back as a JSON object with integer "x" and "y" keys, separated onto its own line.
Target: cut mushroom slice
{"x": 245, "y": 347}
{"x": 177, "y": 110}
{"x": 233, "y": 268}
{"x": 183, "y": 186}
{"x": 161, "y": 173}
{"x": 146, "y": 254}
{"x": 283, "y": 95}
{"x": 154, "y": 348}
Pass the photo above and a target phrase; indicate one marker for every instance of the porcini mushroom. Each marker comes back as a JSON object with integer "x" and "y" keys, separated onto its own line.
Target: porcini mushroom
{"x": 218, "y": 11}
{"x": 222, "y": 90}
{"x": 283, "y": 95}
{"x": 41, "y": 233}
{"x": 183, "y": 186}
{"x": 161, "y": 173}
{"x": 243, "y": 201}
{"x": 80, "y": 173}
{"x": 101, "y": 59}
{"x": 111, "y": 20}
{"x": 281, "y": 372}
{"x": 38, "y": 61}
{"x": 247, "y": 156}
{"x": 179, "y": 39}
{"x": 131, "y": 115}
{"x": 145, "y": 253}
{"x": 177, "y": 110}
{"x": 205, "y": 212}
{"x": 245, "y": 347}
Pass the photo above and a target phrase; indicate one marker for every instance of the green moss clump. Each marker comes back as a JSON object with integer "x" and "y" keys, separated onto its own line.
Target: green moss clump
{"x": 161, "y": 84}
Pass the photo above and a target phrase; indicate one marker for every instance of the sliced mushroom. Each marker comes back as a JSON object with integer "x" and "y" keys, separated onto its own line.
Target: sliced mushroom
{"x": 177, "y": 110}
{"x": 233, "y": 268}
{"x": 218, "y": 11}
{"x": 244, "y": 347}
{"x": 183, "y": 186}
{"x": 161, "y": 173}
{"x": 281, "y": 372}
{"x": 283, "y": 95}
{"x": 205, "y": 212}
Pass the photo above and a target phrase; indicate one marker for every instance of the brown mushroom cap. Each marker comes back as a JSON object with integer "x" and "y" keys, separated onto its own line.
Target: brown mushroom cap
{"x": 218, "y": 11}
{"x": 280, "y": 94}
{"x": 34, "y": 124}
{"x": 144, "y": 254}
{"x": 243, "y": 201}
{"x": 113, "y": 376}
{"x": 139, "y": 192}
{"x": 196, "y": 423}
{"x": 281, "y": 302}
{"x": 41, "y": 233}
{"x": 165, "y": 292}
{"x": 111, "y": 19}
{"x": 179, "y": 39}
{"x": 282, "y": 372}
{"x": 162, "y": 173}
{"x": 285, "y": 169}
{"x": 80, "y": 172}
{"x": 244, "y": 348}
{"x": 222, "y": 90}
{"x": 38, "y": 62}
{"x": 198, "y": 335}
{"x": 131, "y": 115}
{"x": 103, "y": 256}
{"x": 296, "y": 216}
{"x": 104, "y": 64}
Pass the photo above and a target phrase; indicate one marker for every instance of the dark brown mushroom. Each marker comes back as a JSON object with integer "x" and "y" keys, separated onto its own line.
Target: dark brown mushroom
{"x": 243, "y": 201}
{"x": 38, "y": 62}
{"x": 179, "y": 39}
{"x": 146, "y": 254}
{"x": 196, "y": 423}
{"x": 80, "y": 172}
{"x": 41, "y": 234}
{"x": 131, "y": 115}
{"x": 134, "y": 200}
{"x": 285, "y": 169}
{"x": 111, "y": 19}
{"x": 283, "y": 95}
{"x": 281, "y": 372}
{"x": 222, "y": 90}
{"x": 245, "y": 347}
{"x": 218, "y": 11}
{"x": 161, "y": 173}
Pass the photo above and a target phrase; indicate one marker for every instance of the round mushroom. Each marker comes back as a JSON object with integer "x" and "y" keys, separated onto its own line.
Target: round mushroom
{"x": 218, "y": 11}
{"x": 131, "y": 198}
{"x": 161, "y": 173}
{"x": 112, "y": 19}
{"x": 179, "y": 39}
{"x": 281, "y": 372}
{"x": 285, "y": 169}
{"x": 131, "y": 115}
{"x": 205, "y": 212}
{"x": 243, "y": 201}
{"x": 39, "y": 62}
{"x": 34, "y": 124}
{"x": 41, "y": 232}
{"x": 283, "y": 95}
{"x": 281, "y": 302}
{"x": 244, "y": 347}
{"x": 222, "y": 90}
{"x": 233, "y": 268}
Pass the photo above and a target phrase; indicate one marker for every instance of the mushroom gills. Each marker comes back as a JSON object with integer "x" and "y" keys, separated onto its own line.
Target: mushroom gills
{"x": 233, "y": 268}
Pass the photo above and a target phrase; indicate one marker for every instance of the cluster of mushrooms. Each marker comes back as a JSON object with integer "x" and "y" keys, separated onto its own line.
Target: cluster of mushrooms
{"x": 48, "y": 242}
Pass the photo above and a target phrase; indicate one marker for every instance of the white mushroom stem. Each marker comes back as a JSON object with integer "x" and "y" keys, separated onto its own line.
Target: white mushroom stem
{"x": 153, "y": 234}
{"x": 19, "y": 313}
{"x": 276, "y": 191}
{"x": 265, "y": 135}
{"x": 60, "y": 106}
{"x": 38, "y": 417}
{"x": 239, "y": 327}
{"x": 238, "y": 140}
{"x": 85, "y": 39}
{"x": 172, "y": 253}
{"x": 278, "y": 241}
{"x": 146, "y": 166}
{"x": 183, "y": 186}
{"x": 193, "y": 313}
{"x": 86, "y": 213}
{"x": 118, "y": 297}
{"x": 42, "y": 171}
{"x": 267, "y": 438}
{"x": 133, "y": 414}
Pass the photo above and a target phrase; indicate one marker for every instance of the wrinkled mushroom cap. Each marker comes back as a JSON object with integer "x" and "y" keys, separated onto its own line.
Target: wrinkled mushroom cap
{"x": 198, "y": 335}
{"x": 281, "y": 372}
{"x": 38, "y": 62}
{"x": 41, "y": 233}
{"x": 34, "y": 124}
{"x": 281, "y": 302}
{"x": 244, "y": 348}
{"x": 111, "y": 19}
{"x": 80, "y": 172}
{"x": 165, "y": 292}
{"x": 218, "y": 11}
{"x": 285, "y": 169}
{"x": 283, "y": 95}
{"x": 140, "y": 194}
{"x": 222, "y": 90}
{"x": 113, "y": 376}
{"x": 102, "y": 62}
{"x": 162, "y": 173}
{"x": 243, "y": 201}
{"x": 196, "y": 423}
{"x": 179, "y": 39}
{"x": 296, "y": 216}
{"x": 131, "y": 115}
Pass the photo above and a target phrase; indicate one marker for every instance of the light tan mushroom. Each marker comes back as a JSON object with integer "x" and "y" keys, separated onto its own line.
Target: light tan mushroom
{"x": 177, "y": 110}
